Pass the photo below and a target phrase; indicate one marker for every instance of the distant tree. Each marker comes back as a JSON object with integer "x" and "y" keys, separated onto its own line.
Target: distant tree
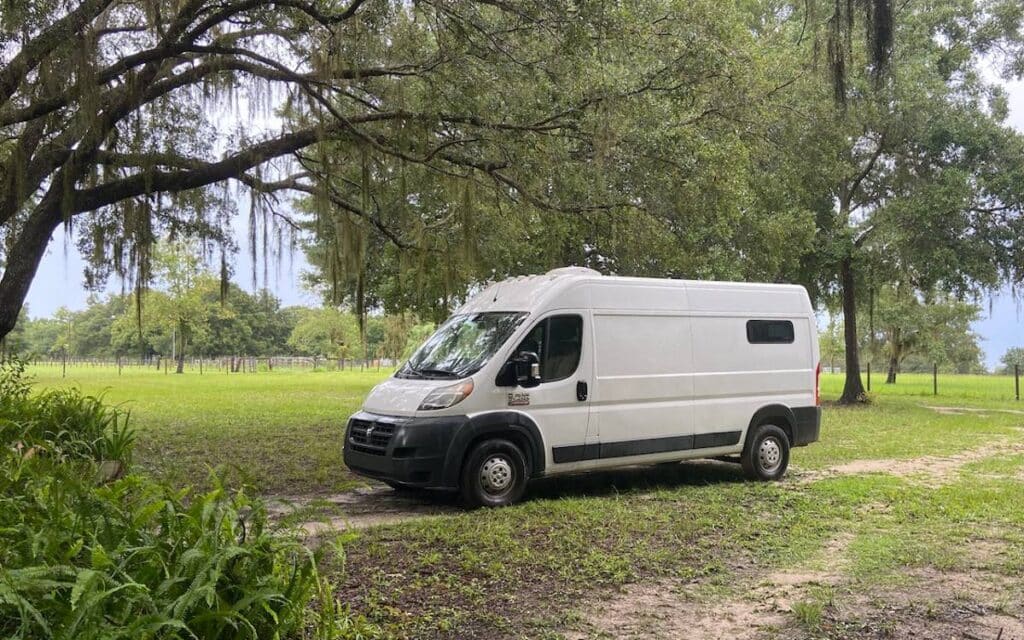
{"x": 927, "y": 329}
{"x": 397, "y": 331}
{"x": 374, "y": 332}
{"x": 129, "y": 336}
{"x": 44, "y": 337}
{"x": 92, "y": 336}
{"x": 1014, "y": 356}
{"x": 182, "y": 306}
{"x": 326, "y": 332}
{"x": 14, "y": 343}
{"x": 830, "y": 341}
{"x": 270, "y": 324}
{"x": 418, "y": 334}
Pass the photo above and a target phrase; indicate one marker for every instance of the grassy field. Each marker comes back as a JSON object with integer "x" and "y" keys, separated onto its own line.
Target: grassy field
{"x": 279, "y": 431}
{"x": 906, "y": 519}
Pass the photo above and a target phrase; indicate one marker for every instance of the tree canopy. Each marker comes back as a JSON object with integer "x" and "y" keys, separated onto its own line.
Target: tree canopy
{"x": 417, "y": 150}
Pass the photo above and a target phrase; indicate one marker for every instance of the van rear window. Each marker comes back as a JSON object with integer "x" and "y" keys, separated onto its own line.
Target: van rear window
{"x": 769, "y": 331}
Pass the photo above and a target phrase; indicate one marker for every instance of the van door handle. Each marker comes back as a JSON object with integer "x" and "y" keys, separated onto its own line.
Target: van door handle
{"x": 581, "y": 391}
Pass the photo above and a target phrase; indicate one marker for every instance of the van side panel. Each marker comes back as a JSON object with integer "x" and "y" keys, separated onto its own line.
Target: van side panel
{"x": 642, "y": 383}
{"x": 733, "y": 378}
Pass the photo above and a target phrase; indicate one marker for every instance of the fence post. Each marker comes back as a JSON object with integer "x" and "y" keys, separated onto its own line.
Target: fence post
{"x": 869, "y": 376}
{"x": 1016, "y": 380}
{"x": 935, "y": 379}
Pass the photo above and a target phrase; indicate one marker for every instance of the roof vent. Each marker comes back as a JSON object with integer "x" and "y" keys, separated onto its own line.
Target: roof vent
{"x": 572, "y": 271}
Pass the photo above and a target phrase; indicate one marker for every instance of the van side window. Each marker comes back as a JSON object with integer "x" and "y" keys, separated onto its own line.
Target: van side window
{"x": 769, "y": 331}
{"x": 557, "y": 341}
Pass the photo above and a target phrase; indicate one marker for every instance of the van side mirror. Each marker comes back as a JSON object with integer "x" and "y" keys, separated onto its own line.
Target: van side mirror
{"x": 526, "y": 366}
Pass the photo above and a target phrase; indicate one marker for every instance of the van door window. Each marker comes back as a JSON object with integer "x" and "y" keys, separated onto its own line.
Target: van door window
{"x": 557, "y": 341}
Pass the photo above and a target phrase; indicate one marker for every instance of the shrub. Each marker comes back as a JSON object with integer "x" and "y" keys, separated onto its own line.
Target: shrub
{"x": 129, "y": 558}
{"x": 62, "y": 424}
{"x": 133, "y": 559}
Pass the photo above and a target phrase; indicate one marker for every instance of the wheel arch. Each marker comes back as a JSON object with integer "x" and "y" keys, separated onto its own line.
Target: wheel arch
{"x": 517, "y": 427}
{"x": 778, "y": 414}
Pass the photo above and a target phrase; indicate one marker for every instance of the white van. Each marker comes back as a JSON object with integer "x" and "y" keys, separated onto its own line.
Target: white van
{"x": 572, "y": 371}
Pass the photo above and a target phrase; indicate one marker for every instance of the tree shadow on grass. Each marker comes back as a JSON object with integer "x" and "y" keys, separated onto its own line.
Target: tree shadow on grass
{"x": 635, "y": 479}
{"x": 380, "y": 501}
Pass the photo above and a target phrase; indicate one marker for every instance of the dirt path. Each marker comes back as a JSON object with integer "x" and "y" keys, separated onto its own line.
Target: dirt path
{"x": 807, "y": 602}
{"x": 931, "y": 470}
{"x": 359, "y": 509}
{"x": 957, "y": 411}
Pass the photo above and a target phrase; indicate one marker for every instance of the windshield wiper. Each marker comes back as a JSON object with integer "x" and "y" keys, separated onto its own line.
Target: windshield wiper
{"x": 437, "y": 372}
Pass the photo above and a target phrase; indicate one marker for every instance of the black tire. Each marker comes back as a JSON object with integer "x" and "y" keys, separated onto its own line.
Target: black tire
{"x": 766, "y": 453}
{"x": 494, "y": 475}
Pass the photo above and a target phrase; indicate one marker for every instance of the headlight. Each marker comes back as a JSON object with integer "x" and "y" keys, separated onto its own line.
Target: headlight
{"x": 444, "y": 397}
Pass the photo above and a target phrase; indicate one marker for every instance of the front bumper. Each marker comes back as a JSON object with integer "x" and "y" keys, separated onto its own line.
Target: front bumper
{"x": 808, "y": 425}
{"x": 408, "y": 451}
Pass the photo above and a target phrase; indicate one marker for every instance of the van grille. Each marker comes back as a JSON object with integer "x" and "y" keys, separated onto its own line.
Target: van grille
{"x": 370, "y": 437}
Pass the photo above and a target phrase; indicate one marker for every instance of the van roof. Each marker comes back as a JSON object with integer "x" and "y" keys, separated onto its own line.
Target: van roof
{"x": 580, "y": 287}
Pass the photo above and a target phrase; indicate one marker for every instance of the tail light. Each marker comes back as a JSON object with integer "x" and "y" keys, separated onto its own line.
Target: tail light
{"x": 817, "y": 386}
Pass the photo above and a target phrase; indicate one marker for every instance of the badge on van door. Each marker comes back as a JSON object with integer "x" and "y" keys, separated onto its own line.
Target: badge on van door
{"x": 518, "y": 399}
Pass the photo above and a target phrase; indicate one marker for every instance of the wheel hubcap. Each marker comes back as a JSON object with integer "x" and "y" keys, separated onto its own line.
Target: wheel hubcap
{"x": 769, "y": 454}
{"x": 496, "y": 475}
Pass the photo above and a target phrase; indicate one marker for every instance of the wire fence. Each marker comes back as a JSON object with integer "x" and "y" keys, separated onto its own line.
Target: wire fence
{"x": 219, "y": 364}
{"x": 243, "y": 364}
{"x": 939, "y": 380}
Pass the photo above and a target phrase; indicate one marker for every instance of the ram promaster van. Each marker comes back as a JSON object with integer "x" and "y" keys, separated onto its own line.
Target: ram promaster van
{"x": 573, "y": 371}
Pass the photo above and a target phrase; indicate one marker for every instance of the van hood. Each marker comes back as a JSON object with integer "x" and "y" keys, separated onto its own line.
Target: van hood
{"x": 400, "y": 396}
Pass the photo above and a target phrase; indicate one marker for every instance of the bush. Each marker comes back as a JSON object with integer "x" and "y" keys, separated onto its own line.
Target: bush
{"x": 61, "y": 424}
{"x": 129, "y": 558}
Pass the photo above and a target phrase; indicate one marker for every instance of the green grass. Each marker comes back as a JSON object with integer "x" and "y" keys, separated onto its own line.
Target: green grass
{"x": 529, "y": 570}
{"x": 961, "y": 390}
{"x": 279, "y": 431}
{"x": 900, "y": 423}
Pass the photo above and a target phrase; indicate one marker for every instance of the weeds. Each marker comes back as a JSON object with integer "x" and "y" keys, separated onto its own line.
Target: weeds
{"x": 808, "y": 613}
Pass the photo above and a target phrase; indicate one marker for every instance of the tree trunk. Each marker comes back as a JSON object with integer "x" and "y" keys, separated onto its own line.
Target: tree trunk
{"x": 181, "y": 351}
{"x": 893, "y": 370}
{"x": 895, "y": 353}
{"x": 853, "y": 390}
{"x": 22, "y": 262}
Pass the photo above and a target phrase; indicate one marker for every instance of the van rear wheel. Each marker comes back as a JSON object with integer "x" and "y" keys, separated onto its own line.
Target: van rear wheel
{"x": 494, "y": 475}
{"x": 766, "y": 454}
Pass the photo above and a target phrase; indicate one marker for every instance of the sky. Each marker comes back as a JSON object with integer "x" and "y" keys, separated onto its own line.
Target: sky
{"x": 59, "y": 282}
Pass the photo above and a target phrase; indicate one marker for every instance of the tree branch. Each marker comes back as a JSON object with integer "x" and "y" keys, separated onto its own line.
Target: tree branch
{"x": 39, "y": 47}
{"x": 185, "y": 179}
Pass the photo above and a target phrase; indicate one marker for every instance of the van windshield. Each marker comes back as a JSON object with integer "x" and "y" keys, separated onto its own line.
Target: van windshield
{"x": 461, "y": 346}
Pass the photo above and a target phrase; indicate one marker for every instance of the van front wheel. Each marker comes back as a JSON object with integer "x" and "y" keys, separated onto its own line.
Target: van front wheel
{"x": 494, "y": 475}
{"x": 766, "y": 454}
